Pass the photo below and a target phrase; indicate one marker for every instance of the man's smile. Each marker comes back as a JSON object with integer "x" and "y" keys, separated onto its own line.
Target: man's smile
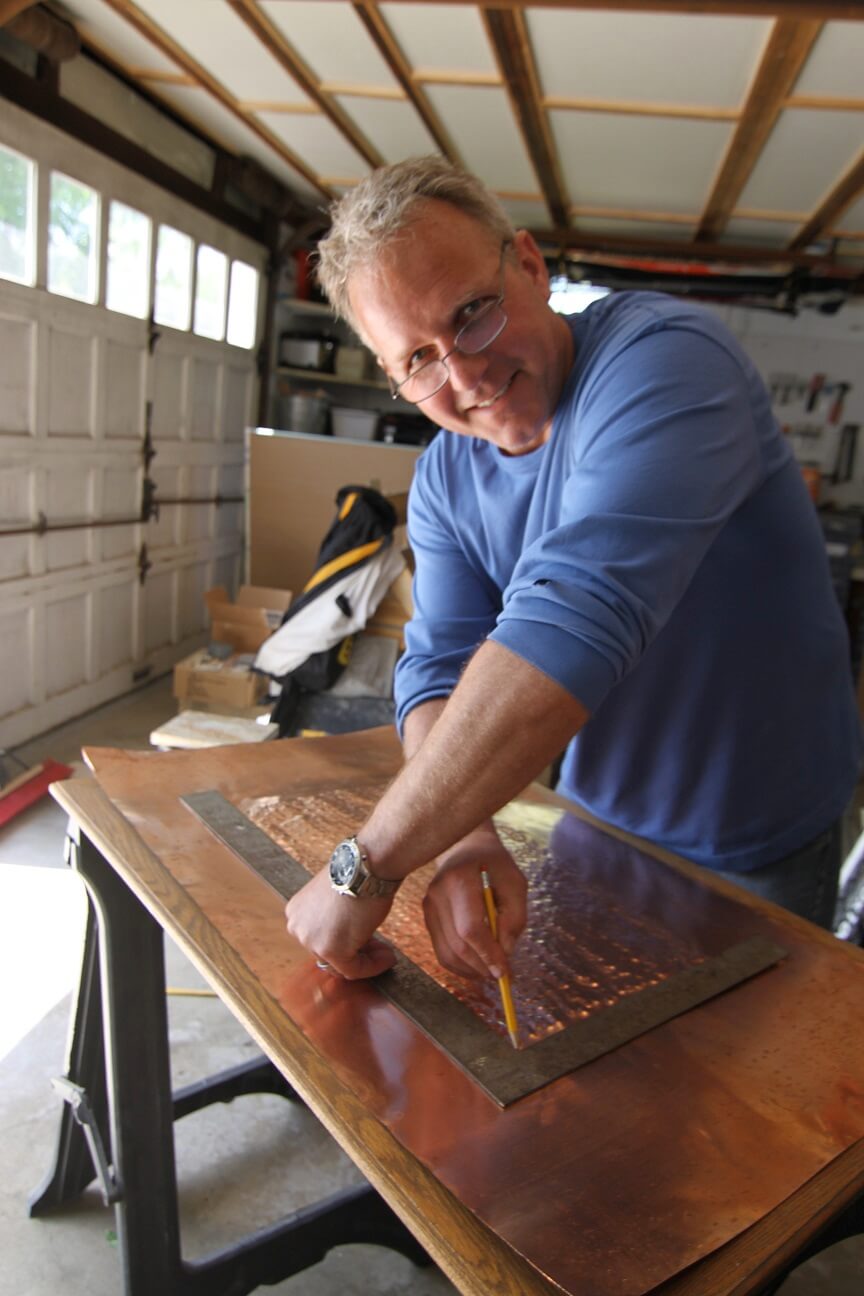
{"x": 492, "y": 399}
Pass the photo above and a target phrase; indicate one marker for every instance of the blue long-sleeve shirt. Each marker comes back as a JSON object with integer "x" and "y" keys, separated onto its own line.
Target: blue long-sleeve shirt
{"x": 661, "y": 560}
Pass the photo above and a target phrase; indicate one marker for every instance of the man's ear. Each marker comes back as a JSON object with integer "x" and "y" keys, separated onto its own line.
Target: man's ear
{"x": 530, "y": 259}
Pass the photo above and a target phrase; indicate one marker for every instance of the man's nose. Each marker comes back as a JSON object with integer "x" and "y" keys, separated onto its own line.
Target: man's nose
{"x": 466, "y": 370}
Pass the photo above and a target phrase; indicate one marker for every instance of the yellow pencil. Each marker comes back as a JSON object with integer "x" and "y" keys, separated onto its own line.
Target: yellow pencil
{"x": 504, "y": 981}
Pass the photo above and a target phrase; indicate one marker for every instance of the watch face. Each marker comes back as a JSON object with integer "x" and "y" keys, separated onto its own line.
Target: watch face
{"x": 343, "y": 864}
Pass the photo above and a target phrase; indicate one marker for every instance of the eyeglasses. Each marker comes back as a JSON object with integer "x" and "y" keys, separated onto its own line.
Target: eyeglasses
{"x": 480, "y": 332}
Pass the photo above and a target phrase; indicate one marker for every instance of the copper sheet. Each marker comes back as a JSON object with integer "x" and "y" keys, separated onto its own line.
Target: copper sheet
{"x": 612, "y": 948}
{"x": 609, "y": 1181}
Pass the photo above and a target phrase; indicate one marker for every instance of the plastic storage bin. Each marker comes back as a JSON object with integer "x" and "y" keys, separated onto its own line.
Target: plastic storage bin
{"x": 353, "y": 424}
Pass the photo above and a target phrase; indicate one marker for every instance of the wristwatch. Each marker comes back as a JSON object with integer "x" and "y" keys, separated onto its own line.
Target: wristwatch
{"x": 349, "y": 873}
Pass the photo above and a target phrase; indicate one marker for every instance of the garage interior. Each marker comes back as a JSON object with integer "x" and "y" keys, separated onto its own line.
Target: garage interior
{"x": 713, "y": 151}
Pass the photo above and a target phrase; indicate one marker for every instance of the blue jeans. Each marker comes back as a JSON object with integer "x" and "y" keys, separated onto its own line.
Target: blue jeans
{"x": 805, "y": 881}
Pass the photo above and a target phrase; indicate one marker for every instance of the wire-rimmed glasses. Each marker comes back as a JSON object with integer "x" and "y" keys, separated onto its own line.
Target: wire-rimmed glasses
{"x": 480, "y": 332}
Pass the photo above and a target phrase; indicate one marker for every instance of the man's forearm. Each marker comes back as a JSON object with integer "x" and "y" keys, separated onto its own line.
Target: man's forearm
{"x": 468, "y": 756}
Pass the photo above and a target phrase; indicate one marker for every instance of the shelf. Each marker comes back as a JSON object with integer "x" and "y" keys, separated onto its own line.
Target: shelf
{"x": 315, "y": 375}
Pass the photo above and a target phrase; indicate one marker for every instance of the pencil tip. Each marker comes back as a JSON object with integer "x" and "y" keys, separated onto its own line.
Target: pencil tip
{"x": 514, "y": 1039}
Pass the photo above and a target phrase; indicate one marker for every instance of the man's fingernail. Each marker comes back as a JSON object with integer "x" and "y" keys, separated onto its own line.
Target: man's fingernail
{"x": 496, "y": 973}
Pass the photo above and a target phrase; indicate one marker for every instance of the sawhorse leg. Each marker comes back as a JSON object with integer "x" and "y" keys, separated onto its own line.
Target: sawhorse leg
{"x": 142, "y": 1179}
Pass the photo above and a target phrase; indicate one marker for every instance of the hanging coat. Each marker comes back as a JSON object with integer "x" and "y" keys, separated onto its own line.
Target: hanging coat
{"x": 356, "y": 565}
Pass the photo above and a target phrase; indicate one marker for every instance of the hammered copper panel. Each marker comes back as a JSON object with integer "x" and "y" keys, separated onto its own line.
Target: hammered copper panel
{"x": 605, "y": 921}
{"x": 610, "y": 1180}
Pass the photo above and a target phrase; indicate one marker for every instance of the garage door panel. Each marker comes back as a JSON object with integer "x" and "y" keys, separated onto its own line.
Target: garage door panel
{"x": 16, "y": 653}
{"x": 68, "y": 497}
{"x": 66, "y": 639}
{"x": 17, "y": 366}
{"x": 114, "y": 626}
{"x": 70, "y": 383}
{"x": 204, "y": 404}
{"x": 123, "y": 388}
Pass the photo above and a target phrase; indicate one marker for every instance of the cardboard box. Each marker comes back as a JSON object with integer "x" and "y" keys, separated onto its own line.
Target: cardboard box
{"x": 250, "y": 619}
{"x": 206, "y": 683}
{"x": 396, "y": 607}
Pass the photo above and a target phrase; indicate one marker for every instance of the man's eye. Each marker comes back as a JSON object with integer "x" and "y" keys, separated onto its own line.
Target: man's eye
{"x": 474, "y": 308}
{"x": 417, "y": 360}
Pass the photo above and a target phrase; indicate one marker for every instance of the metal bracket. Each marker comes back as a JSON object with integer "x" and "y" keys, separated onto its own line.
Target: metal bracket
{"x": 76, "y": 1097}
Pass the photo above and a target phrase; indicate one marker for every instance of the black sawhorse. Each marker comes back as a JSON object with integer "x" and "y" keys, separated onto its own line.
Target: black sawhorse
{"x": 118, "y": 1096}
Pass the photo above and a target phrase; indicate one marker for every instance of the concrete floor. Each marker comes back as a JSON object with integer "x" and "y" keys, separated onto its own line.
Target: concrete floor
{"x": 240, "y": 1166}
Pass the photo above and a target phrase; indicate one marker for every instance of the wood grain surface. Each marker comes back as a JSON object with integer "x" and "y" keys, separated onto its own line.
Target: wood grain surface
{"x": 693, "y": 1160}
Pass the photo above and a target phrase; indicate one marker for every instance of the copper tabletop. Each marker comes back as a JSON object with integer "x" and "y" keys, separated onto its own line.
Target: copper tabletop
{"x": 608, "y": 1181}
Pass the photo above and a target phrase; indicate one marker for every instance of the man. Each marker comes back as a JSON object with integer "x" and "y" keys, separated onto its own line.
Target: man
{"x": 615, "y": 554}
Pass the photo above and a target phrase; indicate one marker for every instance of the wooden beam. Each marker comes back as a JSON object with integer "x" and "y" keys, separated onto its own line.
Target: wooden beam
{"x": 441, "y": 76}
{"x": 831, "y": 208}
{"x": 801, "y": 9}
{"x": 390, "y": 50}
{"x": 277, "y": 45}
{"x": 787, "y": 51}
{"x": 10, "y": 9}
{"x": 636, "y": 109}
{"x": 831, "y": 103}
{"x": 352, "y": 89}
{"x": 155, "y": 34}
{"x": 511, "y": 44}
{"x": 675, "y": 250}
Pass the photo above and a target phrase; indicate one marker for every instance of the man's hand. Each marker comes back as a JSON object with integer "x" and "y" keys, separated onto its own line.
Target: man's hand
{"x": 455, "y": 912}
{"x": 339, "y": 929}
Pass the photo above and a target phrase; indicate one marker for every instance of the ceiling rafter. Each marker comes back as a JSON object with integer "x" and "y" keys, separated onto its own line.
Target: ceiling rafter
{"x": 145, "y": 26}
{"x": 10, "y": 9}
{"x": 390, "y": 50}
{"x": 786, "y": 52}
{"x": 578, "y": 240}
{"x": 638, "y": 108}
{"x": 277, "y": 44}
{"x": 511, "y": 44}
{"x": 832, "y": 207}
{"x": 824, "y": 9}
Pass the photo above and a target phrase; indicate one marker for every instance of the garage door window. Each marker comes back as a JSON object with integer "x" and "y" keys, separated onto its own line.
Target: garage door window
{"x": 128, "y": 286}
{"x": 243, "y": 305}
{"x": 73, "y": 239}
{"x": 211, "y": 291}
{"x": 17, "y": 217}
{"x": 173, "y": 304}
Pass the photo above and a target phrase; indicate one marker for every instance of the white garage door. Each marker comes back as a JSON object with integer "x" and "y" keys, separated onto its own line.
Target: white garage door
{"x": 128, "y": 326}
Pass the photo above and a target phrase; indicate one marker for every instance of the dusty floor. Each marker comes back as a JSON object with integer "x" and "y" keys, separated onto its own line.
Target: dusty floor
{"x": 240, "y": 1166}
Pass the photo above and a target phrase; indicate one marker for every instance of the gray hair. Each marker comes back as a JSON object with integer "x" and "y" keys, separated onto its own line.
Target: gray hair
{"x": 380, "y": 208}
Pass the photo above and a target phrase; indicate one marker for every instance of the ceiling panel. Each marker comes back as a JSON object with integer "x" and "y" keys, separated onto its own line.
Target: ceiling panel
{"x": 764, "y": 232}
{"x": 808, "y": 151}
{"x": 480, "y": 120}
{"x": 650, "y": 58}
{"x": 317, "y": 141}
{"x": 394, "y": 128}
{"x": 836, "y": 65}
{"x": 662, "y": 164}
{"x": 440, "y": 36}
{"x": 331, "y": 39}
{"x": 675, "y": 232}
{"x": 851, "y": 221}
{"x": 399, "y": 79}
{"x": 226, "y": 48}
{"x": 525, "y": 213}
{"x": 94, "y": 19}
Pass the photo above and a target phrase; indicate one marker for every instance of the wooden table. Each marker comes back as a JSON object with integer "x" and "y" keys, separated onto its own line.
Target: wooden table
{"x": 387, "y": 1097}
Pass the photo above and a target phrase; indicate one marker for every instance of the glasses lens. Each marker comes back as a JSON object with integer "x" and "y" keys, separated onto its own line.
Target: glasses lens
{"x": 482, "y": 330}
{"x": 425, "y": 382}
